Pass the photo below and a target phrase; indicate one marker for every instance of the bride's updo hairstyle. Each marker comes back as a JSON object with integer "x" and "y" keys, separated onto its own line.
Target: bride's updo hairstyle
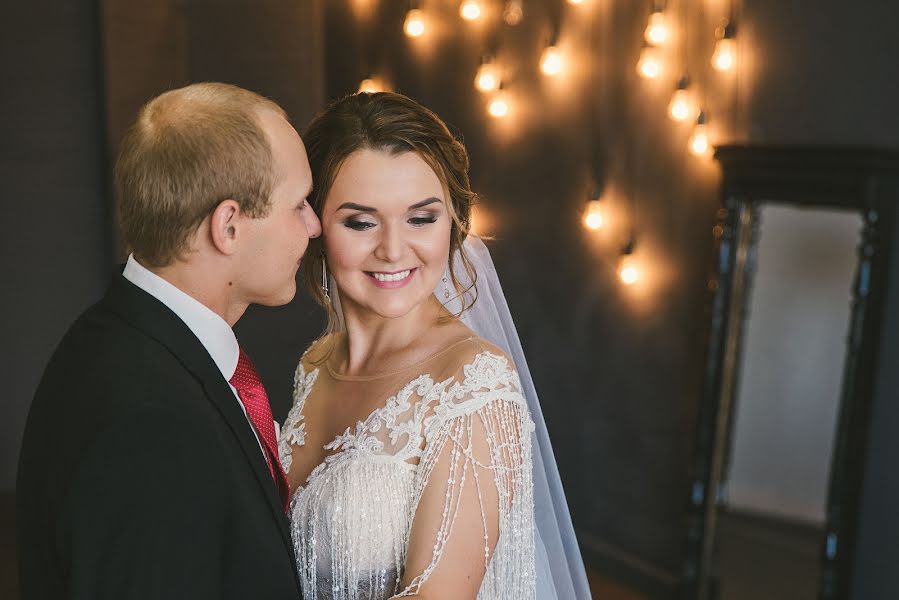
{"x": 392, "y": 123}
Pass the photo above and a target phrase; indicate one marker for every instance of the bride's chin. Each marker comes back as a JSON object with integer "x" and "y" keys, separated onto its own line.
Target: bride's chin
{"x": 397, "y": 308}
{"x": 393, "y": 311}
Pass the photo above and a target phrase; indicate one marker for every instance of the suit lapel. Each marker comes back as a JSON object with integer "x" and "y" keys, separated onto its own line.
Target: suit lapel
{"x": 157, "y": 321}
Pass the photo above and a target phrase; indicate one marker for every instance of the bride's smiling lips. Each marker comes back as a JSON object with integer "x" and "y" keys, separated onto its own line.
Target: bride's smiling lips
{"x": 391, "y": 280}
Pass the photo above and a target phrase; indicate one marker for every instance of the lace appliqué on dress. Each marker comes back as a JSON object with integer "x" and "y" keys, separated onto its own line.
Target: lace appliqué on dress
{"x": 293, "y": 432}
{"x": 426, "y": 449}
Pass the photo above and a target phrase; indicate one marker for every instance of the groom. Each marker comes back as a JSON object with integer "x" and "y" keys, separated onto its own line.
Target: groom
{"x": 149, "y": 467}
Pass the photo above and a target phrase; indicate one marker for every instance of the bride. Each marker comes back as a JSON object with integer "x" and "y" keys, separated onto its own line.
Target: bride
{"x": 416, "y": 466}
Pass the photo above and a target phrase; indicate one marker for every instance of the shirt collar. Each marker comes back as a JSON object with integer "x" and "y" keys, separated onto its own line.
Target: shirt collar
{"x": 212, "y": 331}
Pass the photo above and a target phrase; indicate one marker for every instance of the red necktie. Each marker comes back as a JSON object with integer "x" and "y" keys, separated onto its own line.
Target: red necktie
{"x": 251, "y": 392}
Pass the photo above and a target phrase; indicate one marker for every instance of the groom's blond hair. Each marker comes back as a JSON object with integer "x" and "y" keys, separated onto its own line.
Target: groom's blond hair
{"x": 190, "y": 149}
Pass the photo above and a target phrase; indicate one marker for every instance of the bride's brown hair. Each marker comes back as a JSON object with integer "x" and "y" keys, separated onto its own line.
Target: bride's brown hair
{"x": 391, "y": 123}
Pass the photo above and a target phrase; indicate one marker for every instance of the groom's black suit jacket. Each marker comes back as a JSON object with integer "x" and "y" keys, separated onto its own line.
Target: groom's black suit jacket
{"x": 139, "y": 475}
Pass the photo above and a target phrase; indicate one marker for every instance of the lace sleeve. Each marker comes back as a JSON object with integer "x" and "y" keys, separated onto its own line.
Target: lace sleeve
{"x": 293, "y": 432}
{"x": 472, "y": 533}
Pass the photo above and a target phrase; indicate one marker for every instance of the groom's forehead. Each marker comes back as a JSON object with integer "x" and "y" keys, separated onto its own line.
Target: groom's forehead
{"x": 287, "y": 149}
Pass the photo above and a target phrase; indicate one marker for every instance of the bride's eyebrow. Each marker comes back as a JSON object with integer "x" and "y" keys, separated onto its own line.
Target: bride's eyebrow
{"x": 370, "y": 209}
{"x": 424, "y": 203}
{"x": 354, "y": 206}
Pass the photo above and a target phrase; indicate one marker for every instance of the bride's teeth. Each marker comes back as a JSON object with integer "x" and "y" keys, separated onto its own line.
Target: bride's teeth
{"x": 392, "y": 277}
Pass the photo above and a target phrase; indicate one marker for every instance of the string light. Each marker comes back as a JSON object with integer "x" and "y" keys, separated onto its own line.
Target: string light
{"x": 551, "y": 61}
{"x": 481, "y": 222}
{"x": 725, "y": 56}
{"x": 499, "y": 104}
{"x": 593, "y": 217}
{"x": 628, "y": 270}
{"x": 371, "y": 85}
{"x": 699, "y": 141}
{"x": 681, "y": 106}
{"x": 487, "y": 78}
{"x": 657, "y": 31}
{"x": 470, "y": 10}
{"x": 661, "y": 28}
{"x": 414, "y": 26}
{"x": 513, "y": 13}
{"x": 650, "y": 65}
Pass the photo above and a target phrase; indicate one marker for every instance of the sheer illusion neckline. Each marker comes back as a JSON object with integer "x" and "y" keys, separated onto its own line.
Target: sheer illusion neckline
{"x": 351, "y": 436}
{"x": 381, "y": 374}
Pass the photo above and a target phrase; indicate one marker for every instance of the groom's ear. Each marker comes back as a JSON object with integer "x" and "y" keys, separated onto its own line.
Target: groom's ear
{"x": 223, "y": 226}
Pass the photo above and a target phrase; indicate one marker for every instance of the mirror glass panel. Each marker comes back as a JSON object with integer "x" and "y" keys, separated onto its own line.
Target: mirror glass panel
{"x": 786, "y": 402}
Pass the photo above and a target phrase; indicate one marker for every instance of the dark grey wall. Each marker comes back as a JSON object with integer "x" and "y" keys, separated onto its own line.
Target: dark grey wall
{"x": 54, "y": 249}
{"x": 822, "y": 72}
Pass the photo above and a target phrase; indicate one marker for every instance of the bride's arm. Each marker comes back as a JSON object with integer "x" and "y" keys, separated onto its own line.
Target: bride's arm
{"x": 471, "y": 470}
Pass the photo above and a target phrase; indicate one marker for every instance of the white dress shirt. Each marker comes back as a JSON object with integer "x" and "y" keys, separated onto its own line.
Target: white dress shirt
{"x": 212, "y": 330}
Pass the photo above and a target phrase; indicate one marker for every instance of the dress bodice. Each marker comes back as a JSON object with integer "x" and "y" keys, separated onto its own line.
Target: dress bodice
{"x": 437, "y": 457}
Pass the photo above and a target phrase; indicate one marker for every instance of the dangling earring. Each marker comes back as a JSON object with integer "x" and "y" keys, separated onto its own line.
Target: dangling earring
{"x": 446, "y": 291}
{"x": 326, "y": 288}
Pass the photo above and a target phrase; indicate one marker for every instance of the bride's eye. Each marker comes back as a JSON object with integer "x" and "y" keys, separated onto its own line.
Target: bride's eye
{"x": 357, "y": 225}
{"x": 420, "y": 221}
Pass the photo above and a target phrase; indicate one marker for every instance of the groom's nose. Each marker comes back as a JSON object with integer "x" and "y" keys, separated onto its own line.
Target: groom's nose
{"x": 313, "y": 225}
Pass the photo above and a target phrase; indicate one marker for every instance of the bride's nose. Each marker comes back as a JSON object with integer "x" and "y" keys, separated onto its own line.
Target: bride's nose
{"x": 390, "y": 244}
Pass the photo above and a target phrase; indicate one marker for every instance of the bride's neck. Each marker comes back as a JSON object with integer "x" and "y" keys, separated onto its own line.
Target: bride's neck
{"x": 370, "y": 337}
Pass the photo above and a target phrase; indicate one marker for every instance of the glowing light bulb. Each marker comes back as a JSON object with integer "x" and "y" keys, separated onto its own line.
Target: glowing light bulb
{"x": 513, "y": 13}
{"x": 725, "y": 56}
{"x": 474, "y": 224}
{"x": 470, "y": 10}
{"x": 551, "y": 61}
{"x": 699, "y": 141}
{"x": 650, "y": 64}
{"x": 681, "y": 106}
{"x": 487, "y": 77}
{"x": 499, "y": 105}
{"x": 414, "y": 26}
{"x": 628, "y": 271}
{"x": 371, "y": 85}
{"x": 593, "y": 217}
{"x": 657, "y": 31}
{"x": 575, "y": 2}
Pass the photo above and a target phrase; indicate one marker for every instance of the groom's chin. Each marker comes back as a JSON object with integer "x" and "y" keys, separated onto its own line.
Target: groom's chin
{"x": 279, "y": 297}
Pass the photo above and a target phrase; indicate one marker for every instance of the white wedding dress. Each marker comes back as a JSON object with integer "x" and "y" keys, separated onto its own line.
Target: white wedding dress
{"x": 454, "y": 466}
{"x": 442, "y": 468}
